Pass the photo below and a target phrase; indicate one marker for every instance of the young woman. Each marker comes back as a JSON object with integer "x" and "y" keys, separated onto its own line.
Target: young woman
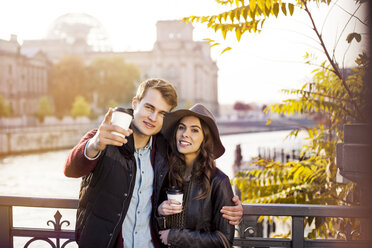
{"x": 194, "y": 145}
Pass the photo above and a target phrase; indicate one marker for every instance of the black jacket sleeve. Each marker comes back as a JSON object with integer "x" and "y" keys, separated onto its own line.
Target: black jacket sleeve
{"x": 222, "y": 234}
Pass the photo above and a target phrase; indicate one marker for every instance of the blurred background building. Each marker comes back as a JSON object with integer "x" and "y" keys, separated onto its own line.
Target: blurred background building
{"x": 175, "y": 56}
{"x": 23, "y": 76}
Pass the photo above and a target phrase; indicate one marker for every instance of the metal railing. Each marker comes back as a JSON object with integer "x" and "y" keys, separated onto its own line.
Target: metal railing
{"x": 8, "y": 231}
{"x": 296, "y": 211}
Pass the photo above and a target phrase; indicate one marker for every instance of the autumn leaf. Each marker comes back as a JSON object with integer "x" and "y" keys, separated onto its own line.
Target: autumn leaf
{"x": 226, "y": 49}
{"x": 291, "y": 8}
{"x": 352, "y": 36}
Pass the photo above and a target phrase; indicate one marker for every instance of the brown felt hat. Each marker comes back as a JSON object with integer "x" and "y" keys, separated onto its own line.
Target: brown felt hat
{"x": 198, "y": 110}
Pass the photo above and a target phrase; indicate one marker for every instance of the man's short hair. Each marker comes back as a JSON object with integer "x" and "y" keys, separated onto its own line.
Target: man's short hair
{"x": 165, "y": 88}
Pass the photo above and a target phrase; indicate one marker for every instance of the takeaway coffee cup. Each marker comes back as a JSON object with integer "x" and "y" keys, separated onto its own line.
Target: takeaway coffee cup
{"x": 175, "y": 193}
{"x": 121, "y": 117}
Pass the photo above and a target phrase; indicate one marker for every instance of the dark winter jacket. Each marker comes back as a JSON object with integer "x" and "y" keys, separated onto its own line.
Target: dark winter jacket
{"x": 106, "y": 190}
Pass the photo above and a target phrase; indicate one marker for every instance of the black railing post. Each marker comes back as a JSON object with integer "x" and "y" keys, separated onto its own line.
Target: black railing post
{"x": 297, "y": 232}
{"x": 6, "y": 220}
{"x": 353, "y": 160}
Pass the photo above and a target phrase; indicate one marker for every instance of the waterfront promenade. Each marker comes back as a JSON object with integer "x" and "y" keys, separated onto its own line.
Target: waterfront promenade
{"x": 41, "y": 138}
{"x": 40, "y": 175}
{"x": 37, "y": 176}
{"x": 17, "y": 140}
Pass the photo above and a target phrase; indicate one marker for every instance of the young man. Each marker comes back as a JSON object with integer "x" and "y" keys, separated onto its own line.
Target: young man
{"x": 118, "y": 173}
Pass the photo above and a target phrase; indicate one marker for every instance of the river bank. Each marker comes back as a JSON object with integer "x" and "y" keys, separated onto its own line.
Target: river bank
{"x": 41, "y": 138}
{"x": 41, "y": 175}
{"x": 55, "y": 137}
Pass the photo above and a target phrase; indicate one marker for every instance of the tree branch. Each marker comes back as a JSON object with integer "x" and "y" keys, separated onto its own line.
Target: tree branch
{"x": 352, "y": 15}
{"x": 331, "y": 97}
{"x": 325, "y": 19}
{"x": 345, "y": 27}
{"x": 333, "y": 64}
{"x": 320, "y": 66}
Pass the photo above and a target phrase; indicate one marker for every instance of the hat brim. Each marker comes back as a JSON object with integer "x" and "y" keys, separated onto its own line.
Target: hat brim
{"x": 171, "y": 119}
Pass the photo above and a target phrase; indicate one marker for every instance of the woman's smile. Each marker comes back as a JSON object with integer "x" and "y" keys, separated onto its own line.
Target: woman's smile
{"x": 184, "y": 143}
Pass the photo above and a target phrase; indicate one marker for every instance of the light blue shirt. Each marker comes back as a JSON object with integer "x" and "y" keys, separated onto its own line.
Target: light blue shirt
{"x": 136, "y": 229}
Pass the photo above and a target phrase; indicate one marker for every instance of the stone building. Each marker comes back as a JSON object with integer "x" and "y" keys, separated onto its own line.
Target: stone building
{"x": 175, "y": 56}
{"x": 23, "y": 76}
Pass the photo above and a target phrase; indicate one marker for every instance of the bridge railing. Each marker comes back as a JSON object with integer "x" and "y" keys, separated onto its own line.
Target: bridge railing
{"x": 8, "y": 231}
{"x": 296, "y": 211}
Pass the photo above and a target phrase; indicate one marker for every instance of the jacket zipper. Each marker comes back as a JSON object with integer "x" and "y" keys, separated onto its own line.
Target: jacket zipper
{"x": 122, "y": 210}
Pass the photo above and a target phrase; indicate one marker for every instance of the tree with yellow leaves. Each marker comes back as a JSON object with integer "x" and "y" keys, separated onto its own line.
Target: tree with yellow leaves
{"x": 335, "y": 93}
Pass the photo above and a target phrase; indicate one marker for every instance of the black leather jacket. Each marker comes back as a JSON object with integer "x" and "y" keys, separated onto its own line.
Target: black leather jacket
{"x": 204, "y": 222}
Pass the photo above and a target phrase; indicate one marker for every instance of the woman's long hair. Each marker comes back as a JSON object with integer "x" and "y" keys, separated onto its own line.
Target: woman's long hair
{"x": 204, "y": 165}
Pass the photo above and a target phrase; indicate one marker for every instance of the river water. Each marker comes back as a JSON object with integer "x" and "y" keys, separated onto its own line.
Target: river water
{"x": 41, "y": 175}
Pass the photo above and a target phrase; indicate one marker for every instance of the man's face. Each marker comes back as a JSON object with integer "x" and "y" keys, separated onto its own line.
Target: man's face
{"x": 148, "y": 114}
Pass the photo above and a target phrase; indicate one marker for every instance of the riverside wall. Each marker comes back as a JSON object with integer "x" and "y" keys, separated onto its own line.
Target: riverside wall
{"x": 61, "y": 136}
{"x": 34, "y": 139}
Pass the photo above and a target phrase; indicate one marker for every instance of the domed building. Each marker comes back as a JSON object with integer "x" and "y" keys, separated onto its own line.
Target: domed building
{"x": 76, "y": 28}
{"x": 73, "y": 33}
{"x": 175, "y": 56}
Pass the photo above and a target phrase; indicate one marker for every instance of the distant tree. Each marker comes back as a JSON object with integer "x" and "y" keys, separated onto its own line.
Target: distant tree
{"x": 112, "y": 104}
{"x": 4, "y": 107}
{"x": 238, "y": 106}
{"x": 112, "y": 79}
{"x": 68, "y": 79}
{"x": 80, "y": 107}
{"x": 242, "y": 108}
{"x": 44, "y": 109}
{"x": 188, "y": 103}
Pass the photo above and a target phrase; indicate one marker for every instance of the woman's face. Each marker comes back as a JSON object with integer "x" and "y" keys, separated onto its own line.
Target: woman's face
{"x": 189, "y": 137}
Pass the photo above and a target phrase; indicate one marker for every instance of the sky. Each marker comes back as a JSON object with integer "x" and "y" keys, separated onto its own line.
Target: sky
{"x": 254, "y": 71}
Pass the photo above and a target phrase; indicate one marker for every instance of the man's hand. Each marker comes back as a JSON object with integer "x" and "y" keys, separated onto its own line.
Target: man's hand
{"x": 235, "y": 213}
{"x": 164, "y": 236}
{"x": 104, "y": 136}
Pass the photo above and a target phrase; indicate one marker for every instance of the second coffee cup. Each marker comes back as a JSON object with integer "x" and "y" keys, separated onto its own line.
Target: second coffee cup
{"x": 121, "y": 117}
{"x": 175, "y": 193}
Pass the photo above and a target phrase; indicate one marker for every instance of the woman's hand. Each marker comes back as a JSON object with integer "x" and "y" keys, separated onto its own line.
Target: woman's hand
{"x": 169, "y": 207}
{"x": 164, "y": 236}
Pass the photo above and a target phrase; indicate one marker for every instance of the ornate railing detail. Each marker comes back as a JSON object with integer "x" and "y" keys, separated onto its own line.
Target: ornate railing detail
{"x": 44, "y": 239}
{"x": 57, "y": 224}
{"x": 248, "y": 234}
{"x": 57, "y": 227}
{"x": 8, "y": 231}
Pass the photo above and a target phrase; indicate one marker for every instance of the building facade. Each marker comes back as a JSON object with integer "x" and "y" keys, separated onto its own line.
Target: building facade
{"x": 23, "y": 76}
{"x": 177, "y": 58}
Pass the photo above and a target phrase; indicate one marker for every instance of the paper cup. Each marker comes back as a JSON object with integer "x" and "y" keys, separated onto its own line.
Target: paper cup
{"x": 122, "y": 119}
{"x": 175, "y": 194}
{"x": 178, "y": 197}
